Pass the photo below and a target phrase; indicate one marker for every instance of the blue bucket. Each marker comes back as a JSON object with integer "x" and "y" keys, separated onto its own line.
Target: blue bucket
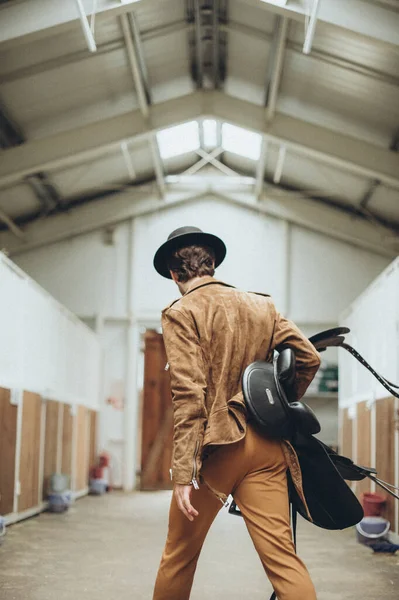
{"x": 2, "y": 527}
{"x": 372, "y": 529}
{"x": 98, "y": 486}
{"x": 59, "y": 502}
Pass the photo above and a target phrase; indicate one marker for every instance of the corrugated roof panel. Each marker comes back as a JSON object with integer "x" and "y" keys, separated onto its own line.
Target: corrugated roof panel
{"x": 167, "y": 62}
{"x": 356, "y": 50}
{"x": 152, "y": 15}
{"x": 300, "y": 172}
{"x": 247, "y": 67}
{"x": 339, "y": 99}
{"x": 241, "y": 164}
{"x": 106, "y": 173}
{"x": 317, "y": 178}
{"x": 178, "y": 164}
{"x": 385, "y": 202}
{"x": 251, "y": 16}
{"x": 18, "y": 200}
{"x": 67, "y": 46}
{"x": 66, "y": 97}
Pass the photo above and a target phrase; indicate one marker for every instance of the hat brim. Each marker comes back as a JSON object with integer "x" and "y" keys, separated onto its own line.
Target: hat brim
{"x": 188, "y": 239}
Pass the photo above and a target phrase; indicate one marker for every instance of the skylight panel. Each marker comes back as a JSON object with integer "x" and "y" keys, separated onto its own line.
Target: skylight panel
{"x": 210, "y": 132}
{"x": 241, "y": 141}
{"x": 179, "y": 139}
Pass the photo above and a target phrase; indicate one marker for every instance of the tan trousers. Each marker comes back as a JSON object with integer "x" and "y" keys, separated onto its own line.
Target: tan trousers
{"x": 254, "y": 472}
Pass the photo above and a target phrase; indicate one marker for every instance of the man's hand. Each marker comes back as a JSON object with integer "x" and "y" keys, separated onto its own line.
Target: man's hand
{"x": 183, "y": 494}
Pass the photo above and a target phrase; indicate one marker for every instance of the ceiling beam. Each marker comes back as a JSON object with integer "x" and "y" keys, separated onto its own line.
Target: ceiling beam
{"x": 260, "y": 170}
{"x": 96, "y": 215}
{"x": 273, "y": 85}
{"x": 97, "y": 139}
{"x": 142, "y": 201}
{"x": 10, "y": 137}
{"x": 368, "y": 20}
{"x": 21, "y": 23}
{"x": 314, "y": 141}
{"x": 142, "y": 93}
{"x": 12, "y": 226}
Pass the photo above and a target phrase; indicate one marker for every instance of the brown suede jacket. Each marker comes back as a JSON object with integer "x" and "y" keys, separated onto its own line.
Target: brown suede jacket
{"x": 212, "y": 333}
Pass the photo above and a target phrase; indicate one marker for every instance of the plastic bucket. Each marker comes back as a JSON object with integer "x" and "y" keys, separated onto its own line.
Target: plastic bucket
{"x": 372, "y": 529}
{"x": 98, "y": 486}
{"x": 59, "y": 502}
{"x": 373, "y": 504}
{"x": 59, "y": 483}
{"x": 2, "y": 526}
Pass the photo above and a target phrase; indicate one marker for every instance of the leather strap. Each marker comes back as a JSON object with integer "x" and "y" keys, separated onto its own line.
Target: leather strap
{"x": 388, "y": 385}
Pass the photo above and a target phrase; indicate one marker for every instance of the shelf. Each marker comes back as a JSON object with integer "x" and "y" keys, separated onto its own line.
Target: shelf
{"x": 321, "y": 395}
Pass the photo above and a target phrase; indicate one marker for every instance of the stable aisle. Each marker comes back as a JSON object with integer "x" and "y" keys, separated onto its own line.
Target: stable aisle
{"x": 109, "y": 547}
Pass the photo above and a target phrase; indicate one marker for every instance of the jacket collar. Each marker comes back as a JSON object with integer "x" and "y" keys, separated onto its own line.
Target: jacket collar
{"x": 203, "y": 281}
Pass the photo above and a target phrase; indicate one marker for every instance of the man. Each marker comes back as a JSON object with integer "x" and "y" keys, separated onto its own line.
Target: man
{"x": 211, "y": 334}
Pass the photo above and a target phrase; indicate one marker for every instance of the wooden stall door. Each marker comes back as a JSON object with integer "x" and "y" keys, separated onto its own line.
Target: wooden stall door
{"x": 157, "y": 417}
{"x": 346, "y": 434}
{"x": 385, "y": 459}
{"x": 363, "y": 456}
{"x": 93, "y": 438}
{"x": 30, "y": 451}
{"x": 8, "y": 438}
{"x": 67, "y": 431}
{"x": 50, "y": 444}
{"x": 82, "y": 449}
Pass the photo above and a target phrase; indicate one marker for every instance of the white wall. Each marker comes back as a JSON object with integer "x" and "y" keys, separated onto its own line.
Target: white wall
{"x": 44, "y": 348}
{"x": 310, "y": 276}
{"x": 374, "y": 322}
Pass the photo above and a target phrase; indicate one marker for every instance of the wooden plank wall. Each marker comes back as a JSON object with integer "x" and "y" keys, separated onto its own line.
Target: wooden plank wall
{"x": 67, "y": 435}
{"x": 385, "y": 459}
{"x": 50, "y": 443}
{"x": 46, "y": 447}
{"x": 8, "y": 438}
{"x": 363, "y": 438}
{"x": 346, "y": 434}
{"x": 30, "y": 451}
{"x": 93, "y": 438}
{"x": 82, "y": 449}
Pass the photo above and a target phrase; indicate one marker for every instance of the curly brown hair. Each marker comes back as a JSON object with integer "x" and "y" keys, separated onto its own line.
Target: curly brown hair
{"x": 192, "y": 261}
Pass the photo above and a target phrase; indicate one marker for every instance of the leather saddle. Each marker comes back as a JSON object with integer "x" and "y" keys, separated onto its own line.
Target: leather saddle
{"x": 270, "y": 398}
{"x": 269, "y": 394}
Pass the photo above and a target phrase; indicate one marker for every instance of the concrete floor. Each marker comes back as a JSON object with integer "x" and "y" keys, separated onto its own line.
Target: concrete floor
{"x": 108, "y": 548}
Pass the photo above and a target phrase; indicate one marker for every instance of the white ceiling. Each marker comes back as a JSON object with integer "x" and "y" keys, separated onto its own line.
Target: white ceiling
{"x": 50, "y": 83}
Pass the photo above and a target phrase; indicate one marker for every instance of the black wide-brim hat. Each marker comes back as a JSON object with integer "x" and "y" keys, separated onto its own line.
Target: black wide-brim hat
{"x": 187, "y": 236}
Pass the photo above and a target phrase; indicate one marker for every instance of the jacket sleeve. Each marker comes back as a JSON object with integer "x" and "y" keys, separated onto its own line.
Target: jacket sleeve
{"x": 287, "y": 335}
{"x": 188, "y": 384}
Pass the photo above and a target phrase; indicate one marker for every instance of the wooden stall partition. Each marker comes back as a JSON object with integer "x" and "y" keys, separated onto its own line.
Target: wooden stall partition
{"x": 82, "y": 449}
{"x": 51, "y": 446}
{"x": 385, "y": 459}
{"x": 93, "y": 417}
{"x": 30, "y": 451}
{"x": 363, "y": 440}
{"x": 157, "y": 417}
{"x": 346, "y": 433}
{"x": 8, "y": 440}
{"x": 67, "y": 439}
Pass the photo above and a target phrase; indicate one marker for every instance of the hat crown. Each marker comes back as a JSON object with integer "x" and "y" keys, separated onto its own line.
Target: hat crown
{"x": 183, "y": 231}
